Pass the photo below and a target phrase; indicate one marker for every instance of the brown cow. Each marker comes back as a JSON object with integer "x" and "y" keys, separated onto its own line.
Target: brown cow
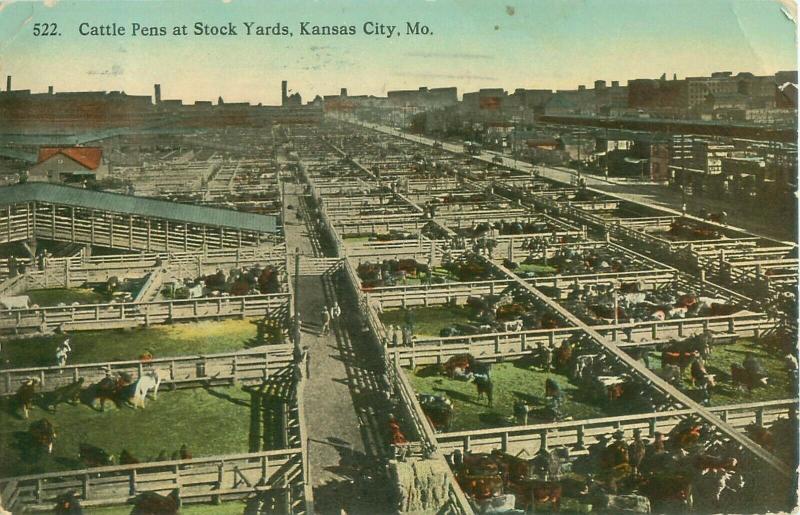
{"x": 43, "y": 434}
{"x": 148, "y": 503}
{"x": 706, "y": 462}
{"x": 458, "y": 363}
{"x": 761, "y": 435}
{"x": 25, "y": 394}
{"x": 680, "y": 358}
{"x": 396, "y": 436}
{"x": 685, "y": 435}
{"x": 662, "y": 488}
{"x": 481, "y": 487}
{"x": 535, "y": 491}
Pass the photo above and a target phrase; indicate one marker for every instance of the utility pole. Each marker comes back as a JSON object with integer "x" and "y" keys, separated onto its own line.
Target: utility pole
{"x": 295, "y": 300}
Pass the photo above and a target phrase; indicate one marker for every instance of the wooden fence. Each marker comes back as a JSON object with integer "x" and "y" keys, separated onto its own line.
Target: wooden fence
{"x": 421, "y": 439}
{"x": 212, "y": 479}
{"x": 79, "y": 270}
{"x": 495, "y": 346}
{"x": 130, "y": 314}
{"x": 578, "y": 434}
{"x": 244, "y": 366}
{"x": 433, "y": 294}
{"x": 319, "y": 266}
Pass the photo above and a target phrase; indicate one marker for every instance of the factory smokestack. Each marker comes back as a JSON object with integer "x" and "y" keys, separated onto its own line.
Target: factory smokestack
{"x": 157, "y": 92}
{"x": 8, "y": 83}
{"x": 284, "y": 92}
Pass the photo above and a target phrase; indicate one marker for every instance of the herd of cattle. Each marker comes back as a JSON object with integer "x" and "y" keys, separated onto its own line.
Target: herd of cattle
{"x": 603, "y": 304}
{"x": 389, "y": 271}
{"x": 573, "y": 261}
{"x": 238, "y": 281}
{"x": 504, "y": 228}
{"x": 691, "y": 466}
{"x": 146, "y": 503}
{"x": 119, "y": 388}
{"x": 510, "y": 310}
{"x": 684, "y": 229}
{"x": 600, "y": 379}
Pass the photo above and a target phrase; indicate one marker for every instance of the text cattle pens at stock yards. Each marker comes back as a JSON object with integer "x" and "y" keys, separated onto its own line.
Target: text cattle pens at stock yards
{"x": 232, "y": 29}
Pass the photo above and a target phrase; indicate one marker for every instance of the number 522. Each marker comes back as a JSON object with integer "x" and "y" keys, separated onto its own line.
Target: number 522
{"x": 45, "y": 29}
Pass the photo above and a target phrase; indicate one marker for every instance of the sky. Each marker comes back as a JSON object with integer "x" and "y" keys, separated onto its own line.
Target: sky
{"x": 547, "y": 44}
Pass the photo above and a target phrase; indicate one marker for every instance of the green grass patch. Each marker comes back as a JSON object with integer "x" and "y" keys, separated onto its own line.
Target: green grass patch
{"x": 222, "y": 415}
{"x": 55, "y": 296}
{"x": 428, "y": 322}
{"x": 719, "y": 363}
{"x": 511, "y": 383}
{"x": 356, "y": 238}
{"x": 127, "y": 344}
{"x": 536, "y": 268}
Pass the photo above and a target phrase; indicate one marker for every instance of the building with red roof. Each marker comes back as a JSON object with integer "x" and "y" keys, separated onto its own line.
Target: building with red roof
{"x": 68, "y": 164}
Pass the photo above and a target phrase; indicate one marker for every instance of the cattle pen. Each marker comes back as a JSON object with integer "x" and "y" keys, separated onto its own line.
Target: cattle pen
{"x": 653, "y": 240}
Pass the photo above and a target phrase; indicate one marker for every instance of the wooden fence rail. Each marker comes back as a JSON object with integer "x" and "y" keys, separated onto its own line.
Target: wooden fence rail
{"x": 115, "y": 315}
{"x": 217, "y": 478}
{"x": 578, "y": 434}
{"x": 245, "y": 366}
{"x": 514, "y": 344}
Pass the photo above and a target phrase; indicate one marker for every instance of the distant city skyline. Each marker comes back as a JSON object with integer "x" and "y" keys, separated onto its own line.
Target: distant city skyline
{"x": 535, "y": 45}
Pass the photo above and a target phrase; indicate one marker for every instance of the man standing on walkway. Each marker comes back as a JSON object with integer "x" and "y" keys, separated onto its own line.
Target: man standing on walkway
{"x": 336, "y": 312}
{"x": 326, "y": 321}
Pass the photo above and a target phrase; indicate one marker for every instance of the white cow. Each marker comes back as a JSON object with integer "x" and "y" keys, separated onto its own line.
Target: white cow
{"x": 195, "y": 291}
{"x": 678, "y": 312}
{"x": 633, "y": 298}
{"x": 151, "y": 380}
{"x": 514, "y": 325}
{"x": 15, "y": 302}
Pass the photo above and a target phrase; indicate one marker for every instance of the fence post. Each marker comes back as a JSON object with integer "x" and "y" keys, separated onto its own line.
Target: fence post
{"x": 581, "y": 436}
{"x": 132, "y": 483}
{"x": 217, "y": 499}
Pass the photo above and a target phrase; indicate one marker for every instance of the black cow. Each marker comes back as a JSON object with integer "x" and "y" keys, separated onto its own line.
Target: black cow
{"x": 69, "y": 393}
{"x": 485, "y": 387}
{"x": 68, "y": 504}
{"x": 109, "y": 389}
{"x": 93, "y": 456}
{"x": 747, "y": 378}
